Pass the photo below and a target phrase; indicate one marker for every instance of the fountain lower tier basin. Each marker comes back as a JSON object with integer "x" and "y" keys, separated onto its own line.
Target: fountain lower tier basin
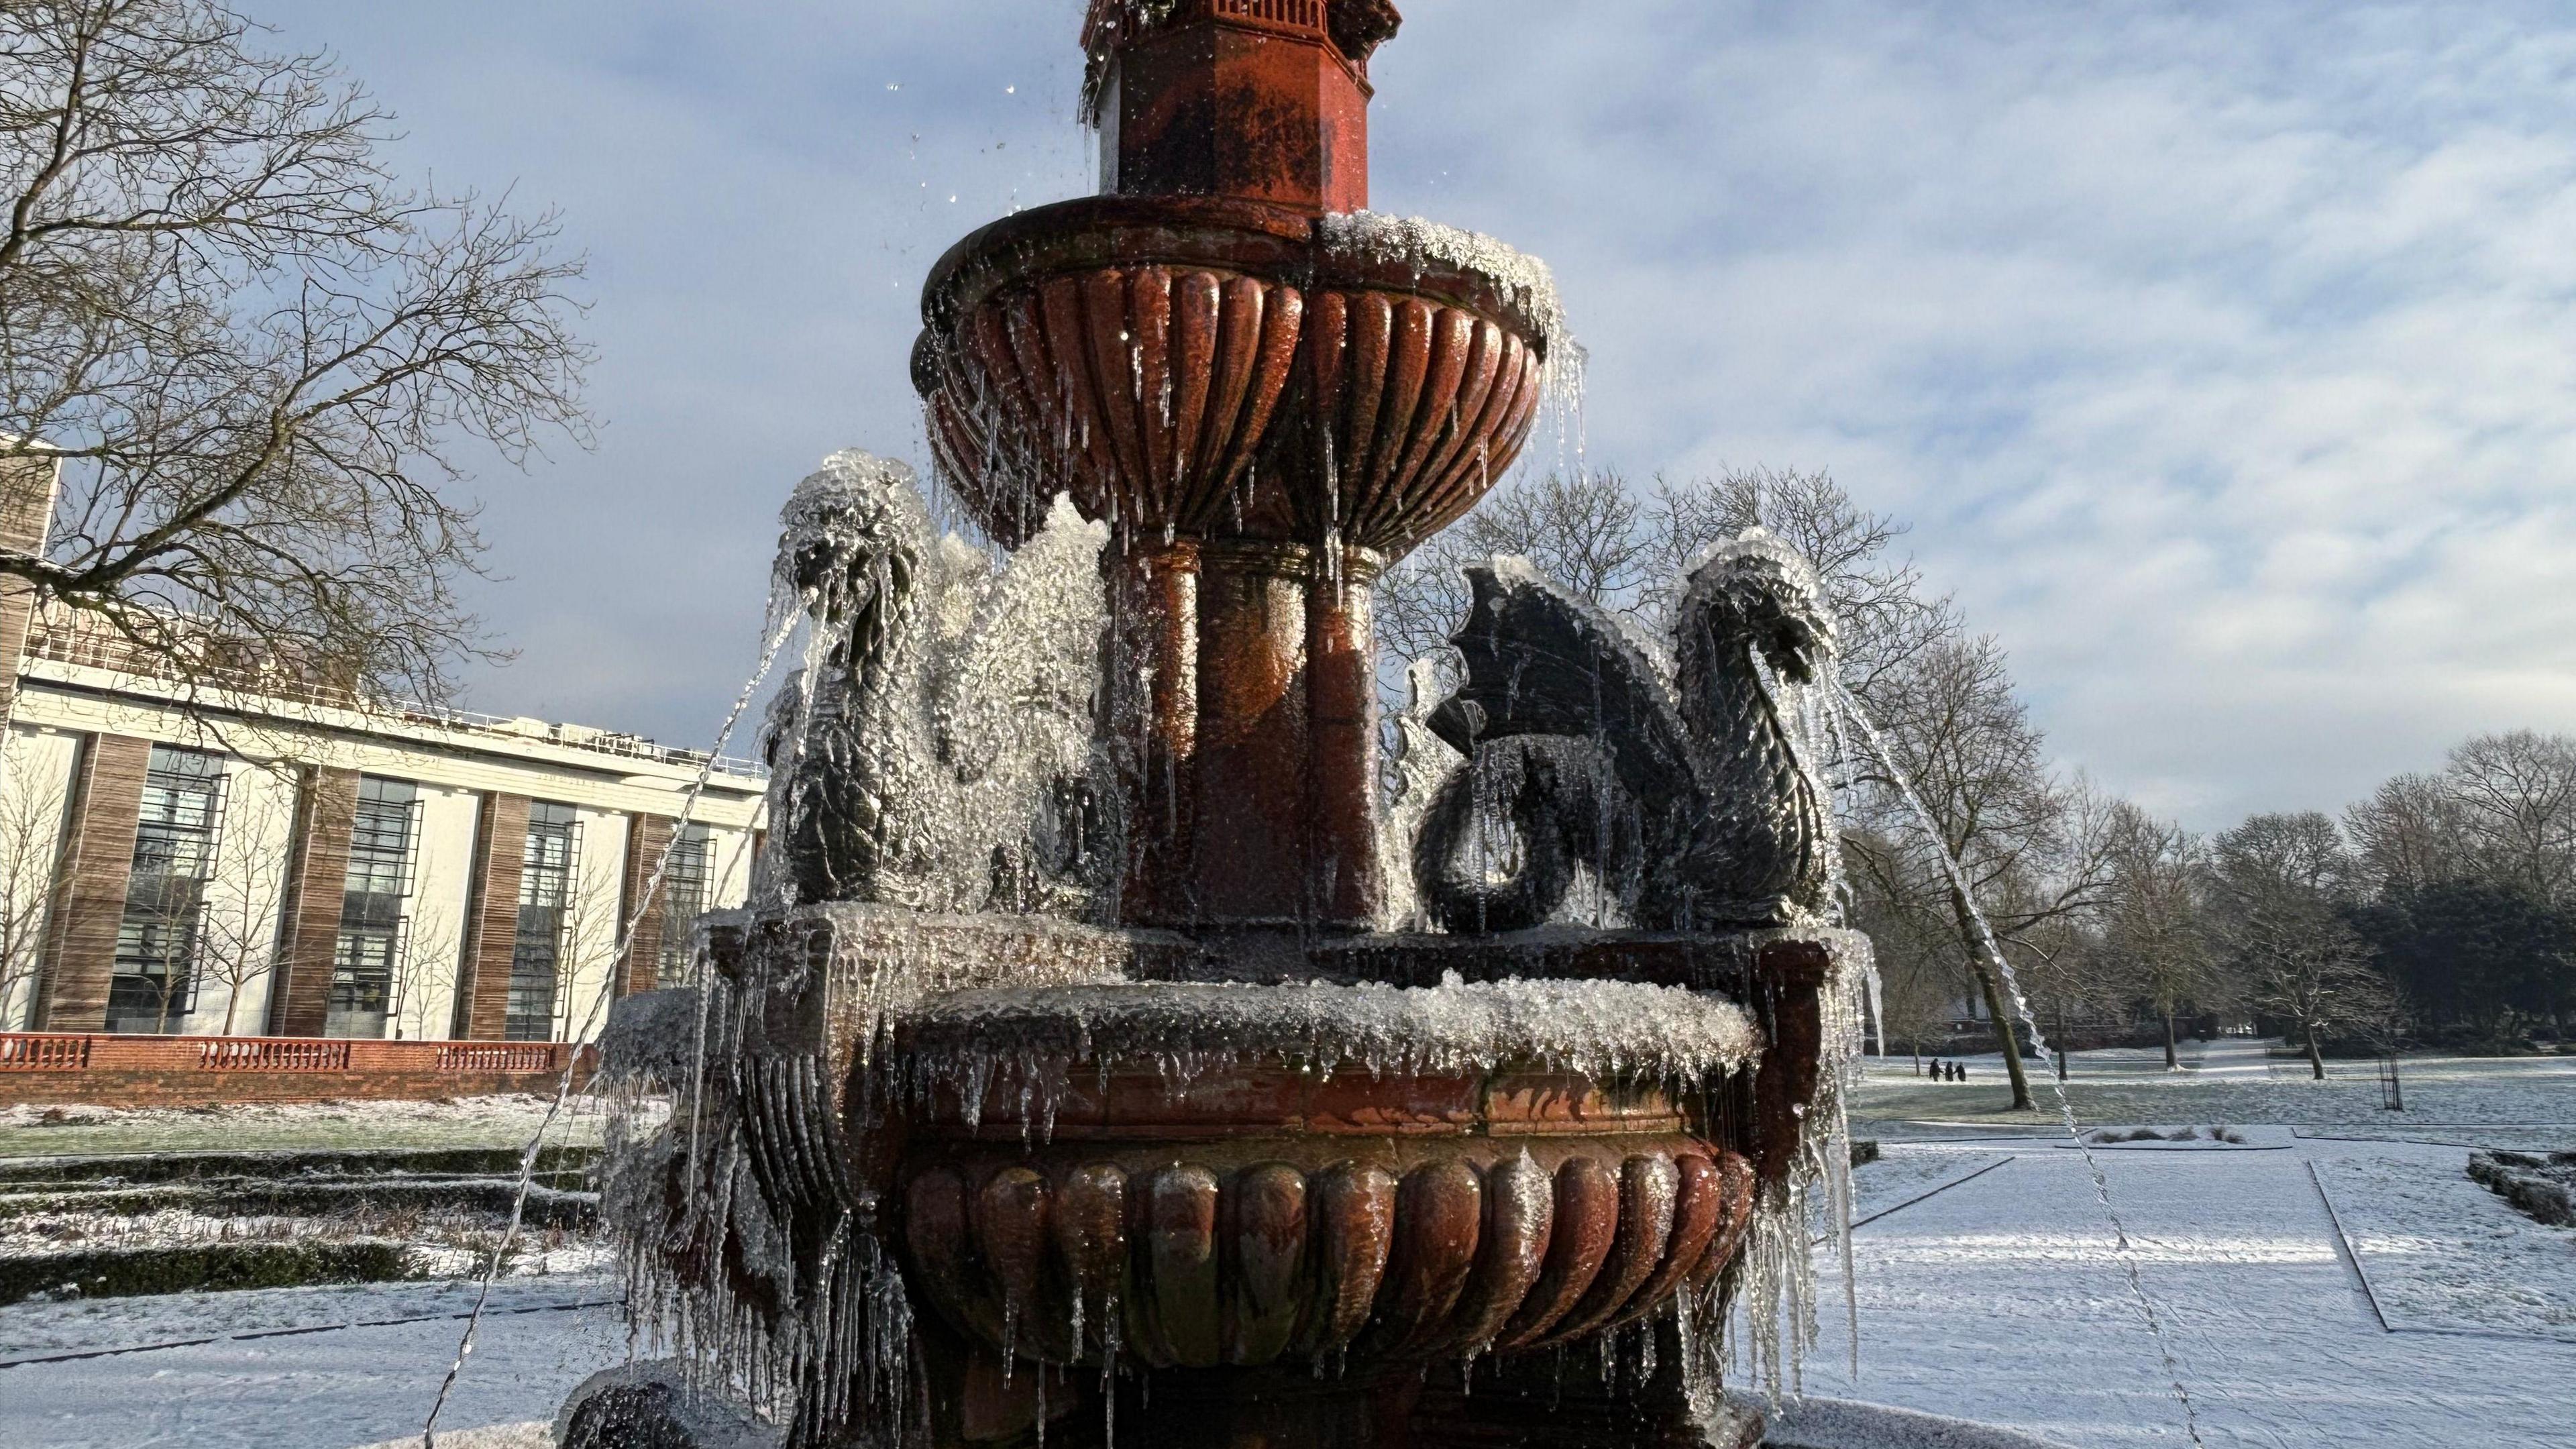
{"x": 1261, "y": 1218}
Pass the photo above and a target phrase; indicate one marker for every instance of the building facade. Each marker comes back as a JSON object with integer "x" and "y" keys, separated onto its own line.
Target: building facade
{"x": 274, "y": 867}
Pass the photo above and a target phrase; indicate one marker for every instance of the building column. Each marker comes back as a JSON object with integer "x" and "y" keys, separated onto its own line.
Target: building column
{"x": 647, "y": 838}
{"x": 89, "y": 890}
{"x": 492, "y": 918}
{"x": 326, "y": 813}
{"x": 27, "y": 487}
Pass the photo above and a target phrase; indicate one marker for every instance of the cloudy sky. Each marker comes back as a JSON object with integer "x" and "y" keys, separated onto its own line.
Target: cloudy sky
{"x": 2223, "y": 355}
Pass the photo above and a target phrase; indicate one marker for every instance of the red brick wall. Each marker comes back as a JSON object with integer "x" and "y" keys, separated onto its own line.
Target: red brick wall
{"x": 500, "y": 844}
{"x": 326, "y": 812}
{"x": 89, "y": 891}
{"x": 647, "y": 836}
{"x": 150, "y": 1071}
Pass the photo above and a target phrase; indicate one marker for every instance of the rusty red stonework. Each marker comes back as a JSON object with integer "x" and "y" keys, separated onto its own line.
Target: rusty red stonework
{"x": 1253, "y": 98}
{"x": 1266, "y": 422}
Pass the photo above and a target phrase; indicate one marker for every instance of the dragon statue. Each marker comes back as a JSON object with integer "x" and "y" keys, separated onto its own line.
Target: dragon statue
{"x": 1683, "y": 787}
{"x": 936, "y": 751}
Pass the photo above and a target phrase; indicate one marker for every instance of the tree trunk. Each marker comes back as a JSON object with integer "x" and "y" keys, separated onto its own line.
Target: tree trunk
{"x": 1993, "y": 990}
{"x": 2316, "y": 1059}
{"x": 2173, "y": 1059}
{"x": 2061, "y": 1043}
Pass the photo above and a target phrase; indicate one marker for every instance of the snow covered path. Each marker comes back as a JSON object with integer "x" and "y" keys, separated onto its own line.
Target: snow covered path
{"x": 2001, "y": 1299}
{"x": 322, "y": 1390}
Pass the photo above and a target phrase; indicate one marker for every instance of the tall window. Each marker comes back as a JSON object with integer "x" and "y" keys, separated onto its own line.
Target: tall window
{"x": 155, "y": 982}
{"x": 546, "y": 874}
{"x": 686, "y": 883}
{"x": 371, "y": 907}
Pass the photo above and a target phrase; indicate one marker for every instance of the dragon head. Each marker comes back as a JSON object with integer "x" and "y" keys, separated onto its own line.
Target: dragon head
{"x": 852, "y": 538}
{"x": 1755, "y": 590}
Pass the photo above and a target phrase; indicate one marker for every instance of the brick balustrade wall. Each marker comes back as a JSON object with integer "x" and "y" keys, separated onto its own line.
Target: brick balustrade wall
{"x": 500, "y": 848}
{"x": 326, "y": 813}
{"x": 95, "y": 1069}
{"x": 89, "y": 889}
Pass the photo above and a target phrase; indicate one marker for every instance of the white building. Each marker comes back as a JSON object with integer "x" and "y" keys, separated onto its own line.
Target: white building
{"x": 291, "y": 868}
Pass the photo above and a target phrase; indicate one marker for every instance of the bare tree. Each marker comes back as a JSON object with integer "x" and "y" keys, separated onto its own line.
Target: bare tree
{"x": 2059, "y": 961}
{"x": 236, "y": 928}
{"x": 2024, "y": 843}
{"x": 2515, "y": 801}
{"x": 1582, "y": 530}
{"x": 1878, "y": 596}
{"x": 589, "y": 938}
{"x": 423, "y": 989}
{"x": 2408, "y": 834}
{"x": 2279, "y": 888}
{"x": 2151, "y": 918}
{"x": 31, "y": 829}
{"x": 262, "y": 362}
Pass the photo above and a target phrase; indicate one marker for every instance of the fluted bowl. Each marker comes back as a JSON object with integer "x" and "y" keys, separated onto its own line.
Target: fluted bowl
{"x": 1215, "y": 368}
{"x": 1185, "y": 1208}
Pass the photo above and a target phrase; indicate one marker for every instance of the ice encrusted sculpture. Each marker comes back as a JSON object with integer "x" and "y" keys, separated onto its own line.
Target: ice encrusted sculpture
{"x": 1103, "y": 1057}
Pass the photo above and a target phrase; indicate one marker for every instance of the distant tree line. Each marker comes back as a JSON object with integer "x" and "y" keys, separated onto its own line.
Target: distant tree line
{"x": 2441, "y": 910}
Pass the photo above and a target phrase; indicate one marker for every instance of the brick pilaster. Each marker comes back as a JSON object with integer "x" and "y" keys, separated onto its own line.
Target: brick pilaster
{"x": 27, "y": 488}
{"x": 647, "y": 836}
{"x": 89, "y": 890}
{"x": 492, "y": 924}
{"x": 326, "y": 812}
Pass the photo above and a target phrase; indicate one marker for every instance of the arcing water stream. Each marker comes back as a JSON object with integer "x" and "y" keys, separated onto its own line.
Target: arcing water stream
{"x": 1849, "y": 707}
{"x": 780, "y": 625}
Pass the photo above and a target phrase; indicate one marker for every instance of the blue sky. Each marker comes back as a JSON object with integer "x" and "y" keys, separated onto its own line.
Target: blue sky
{"x": 2223, "y": 355}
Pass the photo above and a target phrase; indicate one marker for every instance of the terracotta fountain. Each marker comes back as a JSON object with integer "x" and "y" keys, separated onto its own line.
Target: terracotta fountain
{"x": 1174, "y": 1093}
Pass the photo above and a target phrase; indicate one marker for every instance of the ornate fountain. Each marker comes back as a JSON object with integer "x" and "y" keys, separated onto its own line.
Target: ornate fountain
{"x": 1107, "y": 1058}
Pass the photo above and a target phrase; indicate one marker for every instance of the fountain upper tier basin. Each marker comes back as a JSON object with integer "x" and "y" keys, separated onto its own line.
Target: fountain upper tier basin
{"x": 1219, "y": 369}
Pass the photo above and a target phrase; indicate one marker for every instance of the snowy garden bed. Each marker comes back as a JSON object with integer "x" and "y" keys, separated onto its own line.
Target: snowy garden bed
{"x": 115, "y": 1226}
{"x": 2544, "y": 1188}
{"x": 2441, "y": 1252}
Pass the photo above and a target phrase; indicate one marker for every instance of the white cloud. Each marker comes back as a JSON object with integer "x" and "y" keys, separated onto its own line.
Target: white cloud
{"x": 2221, "y": 354}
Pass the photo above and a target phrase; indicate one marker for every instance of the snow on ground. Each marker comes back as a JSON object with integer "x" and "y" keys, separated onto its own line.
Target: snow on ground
{"x": 2001, "y": 1299}
{"x": 2441, "y": 1251}
{"x": 325, "y": 1390}
{"x": 500, "y": 1121}
{"x": 53, "y": 1330}
{"x": 2232, "y": 1081}
{"x": 1987, "y": 1287}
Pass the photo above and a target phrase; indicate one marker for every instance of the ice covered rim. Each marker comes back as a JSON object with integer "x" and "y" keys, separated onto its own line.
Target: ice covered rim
{"x": 1364, "y": 251}
{"x": 1599, "y": 1029}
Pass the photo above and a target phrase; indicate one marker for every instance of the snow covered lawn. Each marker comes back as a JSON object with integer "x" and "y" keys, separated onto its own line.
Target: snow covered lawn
{"x": 2440, "y": 1251}
{"x": 2234, "y": 1082}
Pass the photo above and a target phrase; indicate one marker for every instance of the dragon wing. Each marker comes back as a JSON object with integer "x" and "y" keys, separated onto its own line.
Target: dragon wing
{"x": 1540, "y": 661}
